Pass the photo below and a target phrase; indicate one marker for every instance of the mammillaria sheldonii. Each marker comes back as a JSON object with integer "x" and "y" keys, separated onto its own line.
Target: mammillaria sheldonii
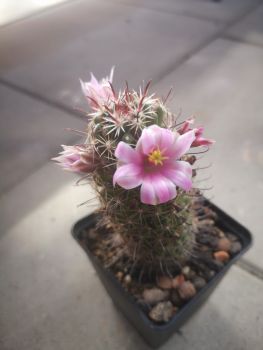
{"x": 137, "y": 155}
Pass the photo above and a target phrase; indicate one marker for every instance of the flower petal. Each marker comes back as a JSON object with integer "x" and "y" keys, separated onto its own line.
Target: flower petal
{"x": 157, "y": 189}
{"x": 186, "y": 126}
{"x": 127, "y": 154}
{"x": 147, "y": 193}
{"x": 147, "y": 141}
{"x": 128, "y": 176}
{"x": 201, "y": 141}
{"x": 164, "y": 188}
{"x": 184, "y": 167}
{"x": 155, "y": 137}
{"x": 183, "y": 143}
{"x": 180, "y": 174}
{"x": 165, "y": 139}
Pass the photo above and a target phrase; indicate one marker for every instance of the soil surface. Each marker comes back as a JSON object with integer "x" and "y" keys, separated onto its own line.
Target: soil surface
{"x": 161, "y": 296}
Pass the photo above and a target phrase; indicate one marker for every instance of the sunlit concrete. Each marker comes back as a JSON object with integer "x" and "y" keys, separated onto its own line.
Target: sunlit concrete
{"x": 13, "y": 10}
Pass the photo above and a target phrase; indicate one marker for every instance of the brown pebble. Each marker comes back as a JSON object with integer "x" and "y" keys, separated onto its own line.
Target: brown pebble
{"x": 119, "y": 275}
{"x": 205, "y": 223}
{"x": 224, "y": 244}
{"x": 92, "y": 234}
{"x": 98, "y": 253}
{"x": 177, "y": 281}
{"x": 186, "y": 290}
{"x": 154, "y": 295}
{"x": 110, "y": 254}
{"x": 221, "y": 256}
{"x": 165, "y": 282}
{"x": 162, "y": 312}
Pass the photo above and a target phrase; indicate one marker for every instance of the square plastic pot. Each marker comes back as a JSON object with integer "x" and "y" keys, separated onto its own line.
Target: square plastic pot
{"x": 155, "y": 335}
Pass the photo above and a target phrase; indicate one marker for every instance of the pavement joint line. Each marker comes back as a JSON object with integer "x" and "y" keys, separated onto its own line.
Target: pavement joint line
{"x": 250, "y": 268}
{"x": 34, "y": 95}
{"x": 4, "y": 193}
{"x": 220, "y": 34}
{"x": 231, "y": 37}
{"x": 185, "y": 13}
{"x": 178, "y": 13}
{"x": 160, "y": 76}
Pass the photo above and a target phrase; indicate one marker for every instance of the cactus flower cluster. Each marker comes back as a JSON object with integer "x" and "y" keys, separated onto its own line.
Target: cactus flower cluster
{"x": 137, "y": 157}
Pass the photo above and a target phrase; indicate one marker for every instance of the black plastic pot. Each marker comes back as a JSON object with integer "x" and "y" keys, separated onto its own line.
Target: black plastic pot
{"x": 156, "y": 335}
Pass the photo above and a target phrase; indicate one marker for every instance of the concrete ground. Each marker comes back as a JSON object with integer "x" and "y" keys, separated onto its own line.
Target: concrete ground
{"x": 212, "y": 53}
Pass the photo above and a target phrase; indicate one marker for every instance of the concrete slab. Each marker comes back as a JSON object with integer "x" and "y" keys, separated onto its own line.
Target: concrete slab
{"x": 222, "y": 85}
{"x": 48, "y": 54}
{"x": 31, "y": 132}
{"x": 52, "y": 299}
{"x": 35, "y": 189}
{"x": 223, "y": 11}
{"x": 250, "y": 29}
{"x": 12, "y": 11}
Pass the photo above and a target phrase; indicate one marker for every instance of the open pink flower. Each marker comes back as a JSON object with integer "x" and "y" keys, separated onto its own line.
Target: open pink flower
{"x": 76, "y": 158}
{"x": 97, "y": 92}
{"x": 154, "y": 164}
{"x": 199, "y": 139}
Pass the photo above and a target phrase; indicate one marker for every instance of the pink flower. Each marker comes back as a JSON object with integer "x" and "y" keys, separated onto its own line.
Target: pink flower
{"x": 97, "y": 92}
{"x": 154, "y": 164}
{"x": 199, "y": 139}
{"x": 76, "y": 158}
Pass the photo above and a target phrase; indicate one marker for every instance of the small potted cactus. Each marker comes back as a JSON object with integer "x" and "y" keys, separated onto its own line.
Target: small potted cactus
{"x": 158, "y": 245}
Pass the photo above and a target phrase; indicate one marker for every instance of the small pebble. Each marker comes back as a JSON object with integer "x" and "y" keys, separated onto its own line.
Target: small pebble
{"x": 110, "y": 254}
{"x": 211, "y": 274}
{"x": 207, "y": 239}
{"x": 177, "y": 281}
{"x": 232, "y": 237}
{"x": 98, "y": 253}
{"x": 205, "y": 223}
{"x": 162, "y": 312}
{"x": 199, "y": 282}
{"x": 215, "y": 265}
{"x": 224, "y": 244}
{"x": 186, "y": 290}
{"x": 92, "y": 234}
{"x": 154, "y": 295}
{"x": 116, "y": 240}
{"x": 186, "y": 270}
{"x": 221, "y": 234}
{"x": 119, "y": 275}
{"x": 204, "y": 248}
{"x": 192, "y": 274}
{"x": 235, "y": 247}
{"x": 221, "y": 256}
{"x": 127, "y": 279}
{"x": 175, "y": 298}
{"x": 165, "y": 282}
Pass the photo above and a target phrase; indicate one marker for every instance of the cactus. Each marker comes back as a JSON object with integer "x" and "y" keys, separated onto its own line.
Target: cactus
{"x": 135, "y": 154}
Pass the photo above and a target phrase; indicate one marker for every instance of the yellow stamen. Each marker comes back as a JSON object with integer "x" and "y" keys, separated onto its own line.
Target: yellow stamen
{"x": 156, "y": 157}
